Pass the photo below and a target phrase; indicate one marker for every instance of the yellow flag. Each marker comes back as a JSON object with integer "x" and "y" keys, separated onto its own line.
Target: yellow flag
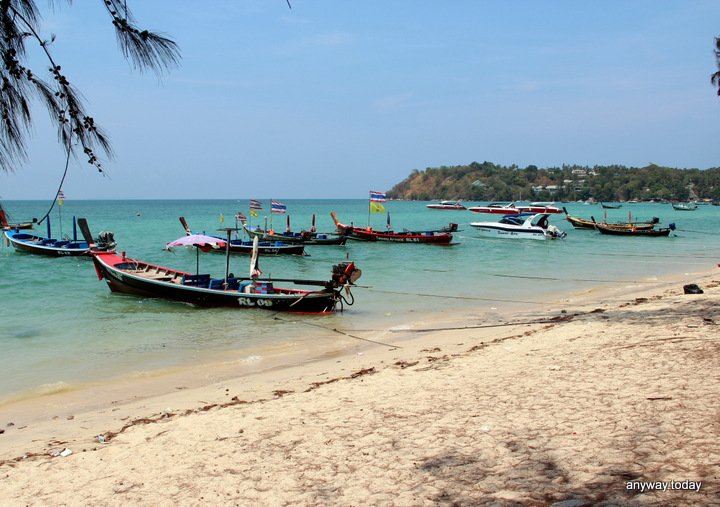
{"x": 376, "y": 207}
{"x": 222, "y": 218}
{"x": 253, "y": 213}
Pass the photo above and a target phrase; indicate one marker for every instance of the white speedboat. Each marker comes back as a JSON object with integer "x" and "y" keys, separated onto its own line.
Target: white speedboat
{"x": 539, "y": 207}
{"x": 497, "y": 208}
{"x": 451, "y": 205}
{"x": 520, "y": 225}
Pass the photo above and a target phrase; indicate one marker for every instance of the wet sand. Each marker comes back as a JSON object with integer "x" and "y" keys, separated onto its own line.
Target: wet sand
{"x": 605, "y": 398}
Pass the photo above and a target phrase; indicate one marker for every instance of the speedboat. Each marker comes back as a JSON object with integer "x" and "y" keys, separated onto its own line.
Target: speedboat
{"x": 500, "y": 208}
{"x": 452, "y": 205}
{"x": 520, "y": 225}
{"x": 539, "y": 207}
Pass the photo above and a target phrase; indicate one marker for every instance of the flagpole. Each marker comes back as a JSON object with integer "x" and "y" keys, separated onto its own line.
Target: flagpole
{"x": 369, "y": 209}
{"x": 60, "y": 219}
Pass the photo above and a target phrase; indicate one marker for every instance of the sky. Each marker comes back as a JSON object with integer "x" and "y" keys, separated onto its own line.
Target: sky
{"x": 333, "y": 98}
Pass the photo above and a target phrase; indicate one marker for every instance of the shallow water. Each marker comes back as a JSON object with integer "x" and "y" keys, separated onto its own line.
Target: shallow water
{"x": 62, "y": 328}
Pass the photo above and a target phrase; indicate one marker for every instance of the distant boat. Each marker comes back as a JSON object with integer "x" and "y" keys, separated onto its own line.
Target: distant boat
{"x": 539, "y": 207}
{"x": 623, "y": 231}
{"x": 522, "y": 225}
{"x": 581, "y": 223}
{"x": 52, "y": 247}
{"x": 684, "y": 207}
{"x": 246, "y": 247}
{"x": 498, "y": 208}
{"x": 16, "y": 226}
{"x": 450, "y": 205}
{"x": 438, "y": 236}
{"x": 611, "y": 206}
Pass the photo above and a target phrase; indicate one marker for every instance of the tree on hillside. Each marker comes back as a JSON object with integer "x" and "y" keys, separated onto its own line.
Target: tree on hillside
{"x": 20, "y": 24}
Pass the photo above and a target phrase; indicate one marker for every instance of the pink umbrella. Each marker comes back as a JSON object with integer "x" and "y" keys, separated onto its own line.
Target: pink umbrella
{"x": 200, "y": 241}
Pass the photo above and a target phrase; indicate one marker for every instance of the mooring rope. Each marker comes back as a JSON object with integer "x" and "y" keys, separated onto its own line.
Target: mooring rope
{"x": 472, "y": 298}
{"x": 339, "y": 331}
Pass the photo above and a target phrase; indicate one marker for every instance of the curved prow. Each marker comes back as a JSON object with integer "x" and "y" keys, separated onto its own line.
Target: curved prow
{"x": 85, "y": 229}
{"x": 185, "y": 225}
{"x": 335, "y": 218}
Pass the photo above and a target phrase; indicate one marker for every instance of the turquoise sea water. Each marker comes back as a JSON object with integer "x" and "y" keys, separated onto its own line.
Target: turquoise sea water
{"x": 61, "y": 326}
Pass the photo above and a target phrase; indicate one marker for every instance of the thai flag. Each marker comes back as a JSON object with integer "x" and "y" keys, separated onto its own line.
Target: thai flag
{"x": 255, "y": 204}
{"x": 377, "y": 196}
{"x": 277, "y": 207}
{"x": 241, "y": 217}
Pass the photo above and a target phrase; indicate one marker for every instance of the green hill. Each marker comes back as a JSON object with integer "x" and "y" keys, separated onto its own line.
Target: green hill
{"x": 490, "y": 182}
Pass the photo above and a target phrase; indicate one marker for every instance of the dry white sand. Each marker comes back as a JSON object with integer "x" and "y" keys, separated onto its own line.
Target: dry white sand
{"x": 586, "y": 407}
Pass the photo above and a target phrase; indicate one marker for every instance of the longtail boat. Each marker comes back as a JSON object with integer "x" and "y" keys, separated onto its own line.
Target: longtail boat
{"x": 274, "y": 247}
{"x": 618, "y": 231}
{"x": 438, "y": 236}
{"x": 581, "y": 223}
{"x": 48, "y": 246}
{"x": 130, "y": 276}
{"x": 311, "y": 237}
{"x": 16, "y": 225}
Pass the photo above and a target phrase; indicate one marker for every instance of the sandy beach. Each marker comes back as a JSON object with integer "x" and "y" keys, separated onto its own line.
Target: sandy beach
{"x": 606, "y": 399}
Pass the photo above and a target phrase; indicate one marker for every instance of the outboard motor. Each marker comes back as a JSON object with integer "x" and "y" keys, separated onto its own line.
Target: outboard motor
{"x": 345, "y": 273}
{"x": 105, "y": 241}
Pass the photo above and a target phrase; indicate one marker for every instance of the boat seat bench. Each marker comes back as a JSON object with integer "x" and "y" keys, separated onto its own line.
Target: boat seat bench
{"x": 196, "y": 280}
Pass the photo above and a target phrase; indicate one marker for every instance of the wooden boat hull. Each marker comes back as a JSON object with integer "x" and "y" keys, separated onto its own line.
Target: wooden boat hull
{"x": 238, "y": 246}
{"x": 20, "y": 226}
{"x": 364, "y": 235}
{"x": 614, "y": 231}
{"x": 581, "y": 223}
{"x": 436, "y": 237}
{"x": 304, "y": 238}
{"x": 266, "y": 248}
{"x": 128, "y": 276}
{"x": 38, "y": 245}
{"x": 16, "y": 226}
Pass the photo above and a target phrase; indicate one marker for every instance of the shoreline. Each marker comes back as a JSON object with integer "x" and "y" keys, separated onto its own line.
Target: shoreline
{"x": 67, "y": 400}
{"x": 138, "y": 387}
{"x": 603, "y": 364}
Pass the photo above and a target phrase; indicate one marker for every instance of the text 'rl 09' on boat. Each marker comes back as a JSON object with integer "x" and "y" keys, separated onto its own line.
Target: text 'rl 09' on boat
{"x": 129, "y": 276}
{"x": 436, "y": 237}
{"x": 521, "y": 225}
{"x": 48, "y": 246}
